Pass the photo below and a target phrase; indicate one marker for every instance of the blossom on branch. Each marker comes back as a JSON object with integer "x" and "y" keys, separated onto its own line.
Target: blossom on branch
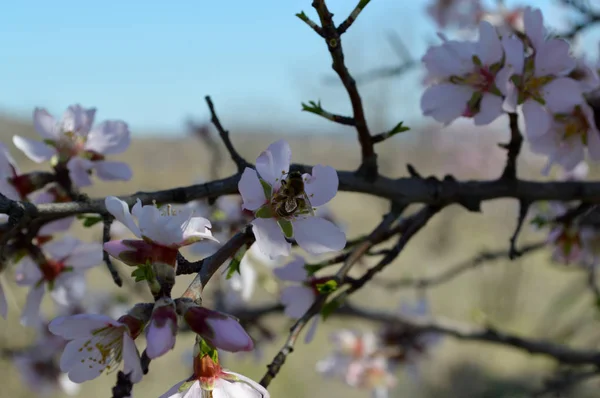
{"x": 466, "y": 76}
{"x": 73, "y": 143}
{"x": 283, "y": 201}
{"x": 209, "y": 379}
{"x": 60, "y": 270}
{"x": 98, "y": 343}
{"x": 162, "y": 328}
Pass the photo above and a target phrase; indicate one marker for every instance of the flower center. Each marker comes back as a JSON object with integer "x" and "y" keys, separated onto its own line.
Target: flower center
{"x": 575, "y": 125}
{"x": 51, "y": 269}
{"x": 108, "y": 343}
{"x": 568, "y": 241}
{"x": 481, "y": 80}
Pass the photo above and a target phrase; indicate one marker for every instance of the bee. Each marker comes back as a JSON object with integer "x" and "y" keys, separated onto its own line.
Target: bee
{"x": 291, "y": 197}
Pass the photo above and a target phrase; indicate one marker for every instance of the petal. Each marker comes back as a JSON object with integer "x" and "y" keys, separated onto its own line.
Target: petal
{"x": 78, "y": 119}
{"x": 73, "y": 354}
{"x": 78, "y": 325}
{"x": 78, "y": 171}
{"x": 27, "y": 272}
{"x": 131, "y": 360}
{"x": 244, "y": 281}
{"x": 196, "y": 229}
{"x": 317, "y": 235}
{"x": 489, "y": 110}
{"x": 56, "y": 226}
{"x": 109, "y": 138}
{"x": 45, "y": 124}
{"x": 445, "y": 102}
{"x": 273, "y": 163}
{"x": 293, "y": 272}
{"x": 251, "y": 190}
{"x": 69, "y": 288}
{"x": 234, "y": 385}
{"x": 34, "y": 150}
{"x": 562, "y": 94}
{"x": 31, "y": 312}
{"x": 219, "y": 329}
{"x": 173, "y": 392}
{"x": 553, "y": 58}
{"x": 60, "y": 249}
{"x": 537, "y": 119}
{"x": 312, "y": 330}
{"x": 515, "y": 55}
{"x": 322, "y": 185}
{"x": 120, "y": 210}
{"x": 534, "y": 26}
{"x": 3, "y": 303}
{"x": 269, "y": 238}
{"x": 113, "y": 171}
{"x": 85, "y": 255}
{"x": 297, "y": 300}
{"x": 489, "y": 46}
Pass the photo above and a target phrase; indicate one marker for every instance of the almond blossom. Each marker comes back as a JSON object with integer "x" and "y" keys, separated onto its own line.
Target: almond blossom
{"x": 75, "y": 144}
{"x": 463, "y": 13}
{"x": 161, "y": 232}
{"x": 60, "y": 272}
{"x": 466, "y": 79}
{"x": 265, "y": 196}
{"x": 162, "y": 328}
{"x": 209, "y": 379}
{"x": 299, "y": 297}
{"x": 98, "y": 343}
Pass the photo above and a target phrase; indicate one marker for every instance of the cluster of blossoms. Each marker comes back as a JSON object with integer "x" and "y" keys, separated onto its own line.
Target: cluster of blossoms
{"x": 506, "y": 71}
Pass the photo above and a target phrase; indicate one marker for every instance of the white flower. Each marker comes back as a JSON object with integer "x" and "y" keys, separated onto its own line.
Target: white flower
{"x": 467, "y": 79}
{"x": 209, "y": 377}
{"x": 348, "y": 346}
{"x": 299, "y": 297}
{"x": 75, "y": 144}
{"x": 274, "y": 223}
{"x": 463, "y": 13}
{"x": 97, "y": 342}
{"x": 61, "y": 273}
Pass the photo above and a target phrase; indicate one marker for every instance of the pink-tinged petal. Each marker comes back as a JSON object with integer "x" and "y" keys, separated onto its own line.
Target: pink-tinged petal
{"x": 162, "y": 329}
{"x": 27, "y": 272}
{"x": 78, "y": 119}
{"x": 109, "y": 138}
{"x": 489, "y": 110}
{"x": 515, "y": 55}
{"x": 445, "y": 102}
{"x": 69, "y": 288}
{"x": 45, "y": 124}
{"x": 273, "y": 163}
{"x": 317, "y": 235}
{"x": 269, "y": 238}
{"x": 79, "y": 325}
{"x": 56, "y": 226}
{"x": 173, "y": 392}
{"x": 34, "y": 150}
{"x": 293, "y": 271}
{"x": 78, "y": 171}
{"x": 31, "y": 312}
{"x": 113, "y": 171}
{"x": 489, "y": 46}
{"x": 562, "y": 94}
{"x": 322, "y": 185}
{"x": 60, "y": 249}
{"x": 3, "y": 303}
{"x": 251, "y": 190}
{"x": 85, "y": 255}
{"x": 312, "y": 330}
{"x": 132, "y": 365}
{"x": 120, "y": 210}
{"x": 248, "y": 387}
{"x": 219, "y": 329}
{"x": 534, "y": 26}
{"x": 553, "y": 58}
{"x": 297, "y": 300}
{"x": 537, "y": 119}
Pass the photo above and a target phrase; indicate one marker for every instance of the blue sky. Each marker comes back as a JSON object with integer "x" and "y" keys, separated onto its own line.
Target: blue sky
{"x": 152, "y": 62}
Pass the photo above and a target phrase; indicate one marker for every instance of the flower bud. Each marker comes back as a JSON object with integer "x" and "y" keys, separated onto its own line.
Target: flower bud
{"x": 162, "y": 330}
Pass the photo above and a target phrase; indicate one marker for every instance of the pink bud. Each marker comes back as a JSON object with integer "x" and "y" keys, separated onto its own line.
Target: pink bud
{"x": 219, "y": 329}
{"x": 131, "y": 252}
{"x": 162, "y": 329}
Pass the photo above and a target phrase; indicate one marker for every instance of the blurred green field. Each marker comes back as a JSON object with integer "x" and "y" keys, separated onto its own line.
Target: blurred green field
{"x": 529, "y": 297}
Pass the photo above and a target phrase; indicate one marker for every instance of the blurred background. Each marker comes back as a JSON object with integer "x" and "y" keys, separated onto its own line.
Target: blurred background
{"x": 151, "y": 63}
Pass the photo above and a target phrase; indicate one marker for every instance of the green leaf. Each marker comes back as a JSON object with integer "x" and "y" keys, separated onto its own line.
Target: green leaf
{"x": 286, "y": 227}
{"x": 207, "y": 349}
{"x": 398, "y": 129}
{"x": 331, "y": 306}
{"x": 327, "y": 287}
{"x": 476, "y": 60}
{"x": 89, "y": 221}
{"x": 264, "y": 212}
{"x": 313, "y": 107}
{"x": 266, "y": 188}
{"x": 234, "y": 265}
{"x": 50, "y": 142}
{"x": 143, "y": 273}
